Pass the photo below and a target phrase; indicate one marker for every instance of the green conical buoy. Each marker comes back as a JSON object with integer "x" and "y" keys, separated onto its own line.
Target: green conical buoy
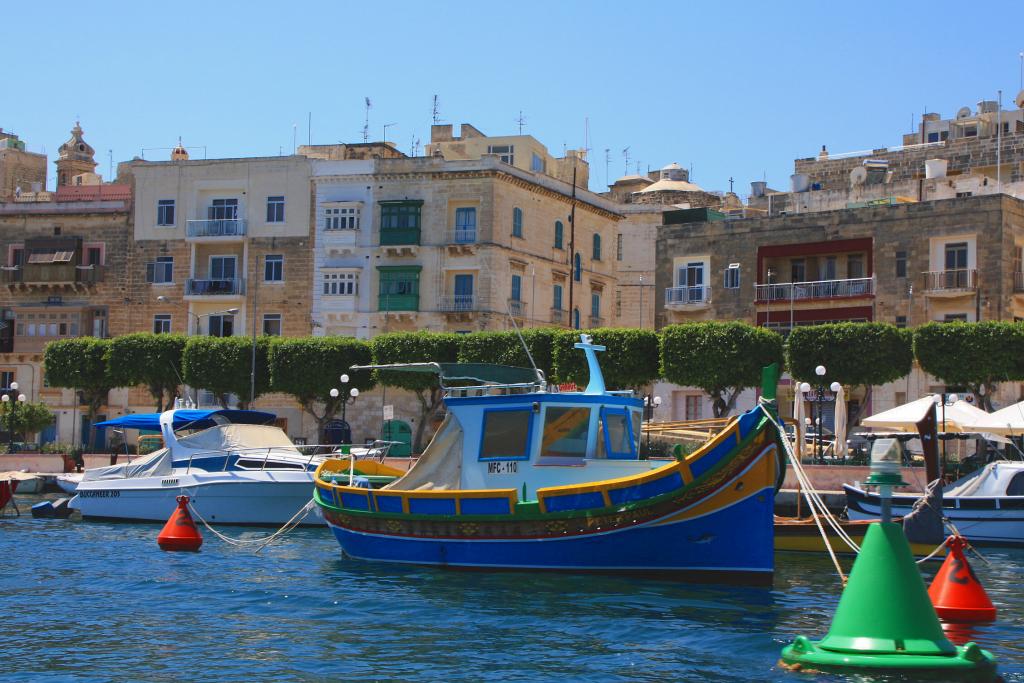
{"x": 885, "y": 621}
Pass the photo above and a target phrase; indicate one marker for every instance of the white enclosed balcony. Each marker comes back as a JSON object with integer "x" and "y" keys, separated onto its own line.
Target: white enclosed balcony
{"x": 688, "y": 298}
{"x": 217, "y": 229}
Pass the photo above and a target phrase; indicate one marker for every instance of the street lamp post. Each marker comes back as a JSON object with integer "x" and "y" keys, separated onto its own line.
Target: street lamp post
{"x": 943, "y": 400}
{"x": 353, "y": 393}
{"x": 819, "y": 399}
{"x": 10, "y": 406}
{"x": 651, "y": 403}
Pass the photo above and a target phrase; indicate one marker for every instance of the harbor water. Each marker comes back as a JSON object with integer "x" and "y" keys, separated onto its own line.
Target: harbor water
{"x": 89, "y": 601}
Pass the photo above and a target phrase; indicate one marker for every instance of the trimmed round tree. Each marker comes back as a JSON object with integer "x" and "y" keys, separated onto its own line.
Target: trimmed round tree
{"x": 150, "y": 360}
{"x": 972, "y": 355}
{"x": 222, "y": 366}
{"x": 721, "y": 358}
{"x": 629, "y": 361}
{"x": 81, "y": 364}
{"x": 416, "y": 347}
{"x": 854, "y": 354}
{"x": 505, "y": 348}
{"x": 308, "y": 368}
{"x": 25, "y": 418}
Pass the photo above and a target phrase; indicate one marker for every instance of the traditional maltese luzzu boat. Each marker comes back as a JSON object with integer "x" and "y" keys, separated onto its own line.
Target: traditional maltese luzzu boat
{"x": 522, "y": 477}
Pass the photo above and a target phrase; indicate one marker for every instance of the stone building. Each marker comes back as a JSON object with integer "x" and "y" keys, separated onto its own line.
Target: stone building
{"x": 222, "y": 247}
{"x": 942, "y": 260}
{"x": 64, "y": 274}
{"x": 75, "y": 160}
{"x": 21, "y": 171}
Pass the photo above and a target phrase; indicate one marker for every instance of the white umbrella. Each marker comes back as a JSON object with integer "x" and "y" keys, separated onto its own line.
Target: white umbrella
{"x": 905, "y": 417}
{"x": 839, "y": 449}
{"x": 1009, "y": 421}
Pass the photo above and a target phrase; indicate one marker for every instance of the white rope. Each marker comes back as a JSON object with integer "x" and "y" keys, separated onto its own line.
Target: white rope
{"x": 295, "y": 520}
{"x": 932, "y": 553}
{"x": 801, "y": 477}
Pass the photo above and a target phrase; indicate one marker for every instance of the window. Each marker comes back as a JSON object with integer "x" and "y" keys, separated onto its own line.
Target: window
{"x": 828, "y": 269}
{"x": 693, "y": 407}
{"x": 17, "y": 257}
{"x": 222, "y": 210}
{"x": 399, "y": 288}
{"x": 618, "y": 247}
{"x": 537, "y": 163}
{"x": 222, "y": 267}
{"x": 963, "y": 195}
{"x": 505, "y": 152}
{"x": 341, "y": 284}
{"x": 221, "y": 325}
{"x": 465, "y": 225}
{"x": 93, "y": 256}
{"x": 165, "y": 212}
{"x": 273, "y": 268}
{"x": 595, "y": 305}
{"x": 970, "y": 131}
{"x": 463, "y": 292}
{"x": 901, "y": 321}
{"x": 556, "y": 297}
{"x": 933, "y": 137}
{"x": 272, "y": 324}
{"x": 616, "y": 439}
{"x": 618, "y": 302}
{"x": 956, "y": 256}
{"x": 517, "y": 287}
{"x": 160, "y": 271}
{"x": 597, "y": 248}
{"x": 341, "y": 218}
{"x": 901, "y": 264}
{"x": 732, "y": 276}
{"x": 577, "y": 268}
{"x": 275, "y": 209}
{"x": 400, "y": 222}
{"x": 576, "y": 318}
{"x": 797, "y": 270}
{"x": 691, "y": 277}
{"x": 6, "y": 377}
{"x": 162, "y": 323}
{"x": 506, "y": 434}
{"x": 955, "y": 318}
{"x": 854, "y": 266}
{"x": 517, "y": 222}
{"x": 565, "y": 432}
{"x": 559, "y": 235}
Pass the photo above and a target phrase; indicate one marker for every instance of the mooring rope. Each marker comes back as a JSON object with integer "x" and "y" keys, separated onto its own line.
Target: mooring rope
{"x": 262, "y": 541}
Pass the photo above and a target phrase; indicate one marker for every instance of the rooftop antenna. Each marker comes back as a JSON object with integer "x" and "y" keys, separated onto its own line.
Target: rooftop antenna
{"x": 309, "y": 129}
{"x": 521, "y": 121}
{"x": 638, "y": 167}
{"x": 386, "y": 126}
{"x": 625, "y": 155}
{"x": 607, "y": 163}
{"x": 366, "y": 124}
{"x": 437, "y": 111}
{"x": 415, "y": 148}
{"x": 295, "y": 137}
{"x": 110, "y": 155}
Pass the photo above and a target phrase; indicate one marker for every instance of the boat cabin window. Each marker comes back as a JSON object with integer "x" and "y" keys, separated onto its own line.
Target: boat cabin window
{"x": 250, "y": 464}
{"x": 634, "y": 420}
{"x": 615, "y": 438}
{"x": 506, "y": 434}
{"x": 565, "y": 432}
{"x": 1016, "y": 487}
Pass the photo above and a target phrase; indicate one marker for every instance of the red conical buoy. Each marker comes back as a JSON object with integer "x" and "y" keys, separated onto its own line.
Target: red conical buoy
{"x": 956, "y": 592}
{"x": 180, "y": 532}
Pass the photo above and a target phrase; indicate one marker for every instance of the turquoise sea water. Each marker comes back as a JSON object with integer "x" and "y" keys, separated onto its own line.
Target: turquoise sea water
{"x": 86, "y": 601}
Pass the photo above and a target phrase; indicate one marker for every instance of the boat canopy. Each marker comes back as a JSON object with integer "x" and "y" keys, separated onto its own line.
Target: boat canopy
{"x": 455, "y": 374}
{"x": 192, "y": 419}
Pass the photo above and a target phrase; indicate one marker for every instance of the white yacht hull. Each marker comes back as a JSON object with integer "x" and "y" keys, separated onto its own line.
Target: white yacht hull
{"x": 257, "y": 498}
{"x": 982, "y": 520}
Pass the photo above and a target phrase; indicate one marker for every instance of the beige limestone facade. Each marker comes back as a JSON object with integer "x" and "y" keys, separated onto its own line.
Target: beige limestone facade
{"x": 21, "y": 172}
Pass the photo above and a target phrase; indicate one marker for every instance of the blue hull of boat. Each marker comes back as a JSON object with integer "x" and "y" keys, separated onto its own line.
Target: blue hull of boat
{"x": 690, "y": 547}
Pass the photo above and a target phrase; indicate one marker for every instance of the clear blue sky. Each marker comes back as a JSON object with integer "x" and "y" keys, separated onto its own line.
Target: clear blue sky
{"x": 733, "y": 89}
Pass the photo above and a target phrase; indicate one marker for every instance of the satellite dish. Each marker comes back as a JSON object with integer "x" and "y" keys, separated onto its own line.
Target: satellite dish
{"x": 963, "y": 112}
{"x": 1019, "y": 100}
{"x": 858, "y": 175}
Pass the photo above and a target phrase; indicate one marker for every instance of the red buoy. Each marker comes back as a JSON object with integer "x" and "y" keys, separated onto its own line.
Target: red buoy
{"x": 180, "y": 532}
{"x": 956, "y": 592}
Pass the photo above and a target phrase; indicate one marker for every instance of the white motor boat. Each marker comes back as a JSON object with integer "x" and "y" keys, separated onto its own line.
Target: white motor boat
{"x": 986, "y": 506}
{"x": 235, "y": 466}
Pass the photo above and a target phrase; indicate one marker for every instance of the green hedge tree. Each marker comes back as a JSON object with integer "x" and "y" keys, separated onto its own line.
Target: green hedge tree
{"x": 25, "y": 418}
{"x": 972, "y": 355}
{"x": 854, "y": 354}
{"x": 630, "y": 360}
{"x": 222, "y": 366}
{"x": 308, "y": 368}
{"x": 416, "y": 347}
{"x": 151, "y": 360}
{"x": 505, "y": 348}
{"x": 722, "y": 358}
{"x": 81, "y": 364}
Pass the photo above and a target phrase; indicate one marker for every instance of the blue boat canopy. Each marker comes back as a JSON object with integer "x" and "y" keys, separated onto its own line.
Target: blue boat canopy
{"x": 192, "y": 419}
